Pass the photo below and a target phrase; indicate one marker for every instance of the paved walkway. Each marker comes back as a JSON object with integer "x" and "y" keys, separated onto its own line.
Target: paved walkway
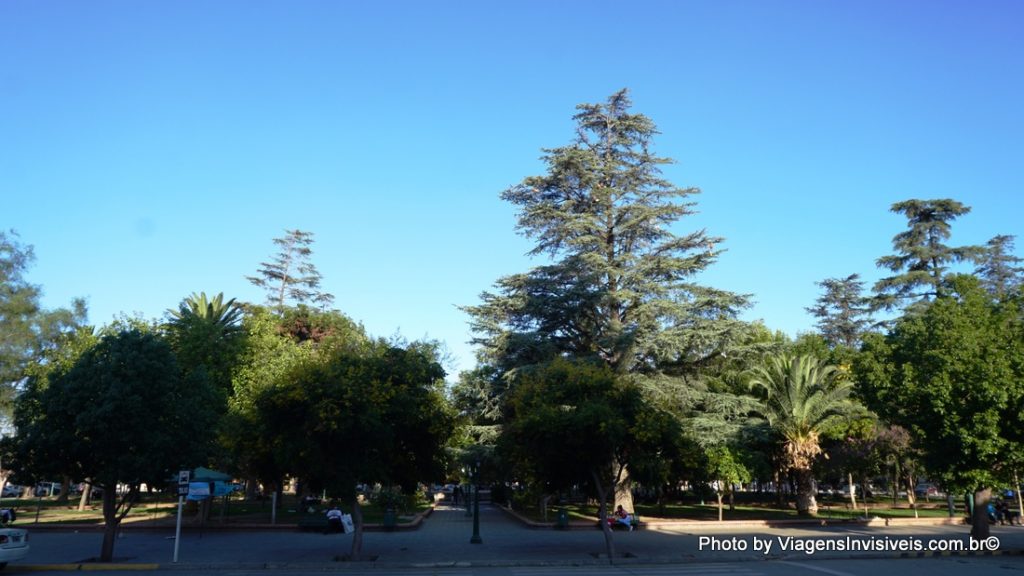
{"x": 443, "y": 539}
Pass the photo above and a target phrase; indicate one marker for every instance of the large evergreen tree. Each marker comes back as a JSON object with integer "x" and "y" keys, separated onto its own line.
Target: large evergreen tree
{"x": 291, "y": 276}
{"x": 621, "y": 286}
{"x": 1000, "y": 271}
{"x": 922, "y": 258}
{"x": 843, "y": 312}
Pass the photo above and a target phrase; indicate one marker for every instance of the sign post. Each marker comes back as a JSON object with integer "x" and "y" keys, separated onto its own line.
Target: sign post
{"x": 183, "y": 479}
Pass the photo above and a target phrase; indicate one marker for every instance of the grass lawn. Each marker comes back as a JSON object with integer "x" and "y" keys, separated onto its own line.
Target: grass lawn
{"x": 162, "y": 510}
{"x": 709, "y": 511}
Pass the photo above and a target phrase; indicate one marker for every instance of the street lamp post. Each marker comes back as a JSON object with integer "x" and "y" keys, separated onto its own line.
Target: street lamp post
{"x": 468, "y": 495}
{"x": 476, "y": 510}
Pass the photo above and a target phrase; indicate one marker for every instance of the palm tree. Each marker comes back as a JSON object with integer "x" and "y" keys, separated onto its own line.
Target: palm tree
{"x": 225, "y": 315}
{"x": 207, "y": 333}
{"x": 802, "y": 398}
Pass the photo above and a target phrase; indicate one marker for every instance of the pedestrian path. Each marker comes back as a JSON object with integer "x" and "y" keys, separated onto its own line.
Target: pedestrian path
{"x": 443, "y": 543}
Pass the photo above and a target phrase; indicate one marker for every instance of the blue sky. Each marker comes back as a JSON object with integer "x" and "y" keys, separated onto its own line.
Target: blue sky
{"x": 149, "y": 149}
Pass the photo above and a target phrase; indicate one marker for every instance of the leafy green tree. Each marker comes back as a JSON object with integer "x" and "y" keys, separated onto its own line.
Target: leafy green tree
{"x": 56, "y": 360}
{"x": 802, "y": 398}
{"x": 954, "y": 375}
{"x": 922, "y": 258}
{"x": 19, "y": 305}
{"x": 27, "y": 331}
{"x": 268, "y": 356}
{"x": 579, "y": 423}
{"x": 123, "y": 414}
{"x": 725, "y": 468}
{"x": 376, "y": 417}
{"x": 291, "y": 276}
{"x": 273, "y": 348}
{"x": 843, "y": 312}
{"x": 1000, "y": 271}
{"x": 621, "y": 285}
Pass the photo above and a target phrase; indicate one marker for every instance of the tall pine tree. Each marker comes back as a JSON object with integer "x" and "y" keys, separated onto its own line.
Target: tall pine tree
{"x": 291, "y": 276}
{"x": 843, "y": 312}
{"x": 621, "y": 286}
{"x": 1000, "y": 271}
{"x": 922, "y": 258}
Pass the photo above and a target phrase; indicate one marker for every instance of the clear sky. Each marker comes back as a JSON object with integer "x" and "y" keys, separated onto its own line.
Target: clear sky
{"x": 149, "y": 149}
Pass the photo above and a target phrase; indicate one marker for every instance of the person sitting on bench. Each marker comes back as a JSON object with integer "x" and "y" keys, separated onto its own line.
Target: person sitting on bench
{"x": 334, "y": 519}
{"x": 621, "y": 517}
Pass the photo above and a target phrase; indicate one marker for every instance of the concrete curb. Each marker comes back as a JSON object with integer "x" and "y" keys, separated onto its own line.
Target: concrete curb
{"x": 359, "y": 566}
{"x": 695, "y": 524}
{"x": 413, "y": 524}
{"x": 83, "y": 567}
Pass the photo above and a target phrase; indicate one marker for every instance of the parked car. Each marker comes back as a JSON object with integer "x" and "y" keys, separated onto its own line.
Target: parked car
{"x": 844, "y": 490}
{"x": 47, "y": 489}
{"x": 926, "y": 490}
{"x": 77, "y": 489}
{"x": 12, "y": 491}
{"x": 13, "y": 545}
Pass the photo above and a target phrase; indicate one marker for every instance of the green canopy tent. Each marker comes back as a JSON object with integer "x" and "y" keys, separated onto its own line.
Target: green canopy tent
{"x": 214, "y": 478}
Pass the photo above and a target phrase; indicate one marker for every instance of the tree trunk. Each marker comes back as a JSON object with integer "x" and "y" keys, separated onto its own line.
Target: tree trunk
{"x": 1020, "y": 501}
{"x": 979, "y": 520}
{"x": 84, "y": 500}
{"x": 357, "y": 537}
{"x": 777, "y": 474}
{"x": 718, "y": 494}
{"x": 110, "y": 524}
{"x": 864, "y": 489}
{"x": 853, "y": 491}
{"x": 624, "y": 491}
{"x": 252, "y": 489}
{"x": 911, "y": 497}
{"x": 65, "y": 490}
{"x": 806, "y": 505}
{"x": 602, "y": 517}
{"x": 732, "y": 499}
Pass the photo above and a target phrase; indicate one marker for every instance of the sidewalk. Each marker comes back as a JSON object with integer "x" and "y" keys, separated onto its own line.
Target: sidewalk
{"x": 443, "y": 540}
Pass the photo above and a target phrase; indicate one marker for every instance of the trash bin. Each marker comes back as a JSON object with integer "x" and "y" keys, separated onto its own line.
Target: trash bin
{"x": 562, "y": 522}
{"x": 390, "y": 520}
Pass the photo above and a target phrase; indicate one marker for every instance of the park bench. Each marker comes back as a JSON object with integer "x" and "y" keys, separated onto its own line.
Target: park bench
{"x": 634, "y": 522}
{"x": 312, "y": 523}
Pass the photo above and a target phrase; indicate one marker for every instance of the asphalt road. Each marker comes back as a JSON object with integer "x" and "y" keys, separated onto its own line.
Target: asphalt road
{"x": 441, "y": 546}
{"x": 946, "y": 566}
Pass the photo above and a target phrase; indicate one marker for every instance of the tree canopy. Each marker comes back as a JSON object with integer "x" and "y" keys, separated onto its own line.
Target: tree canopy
{"x": 376, "y": 417}
{"x": 953, "y": 375}
{"x": 579, "y": 423}
{"x": 122, "y": 414}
